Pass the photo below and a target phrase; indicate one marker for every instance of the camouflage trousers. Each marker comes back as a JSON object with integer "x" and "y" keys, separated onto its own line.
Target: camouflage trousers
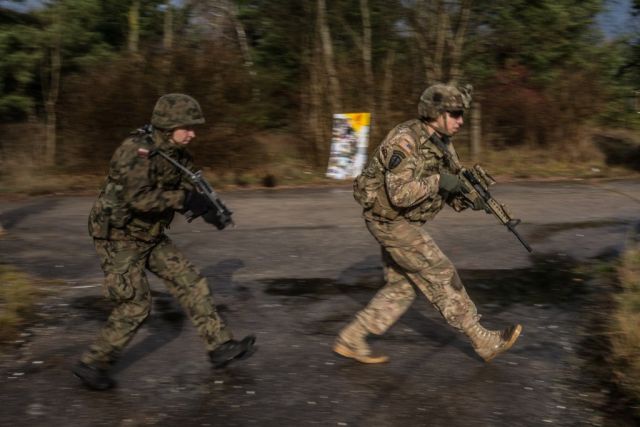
{"x": 124, "y": 263}
{"x": 412, "y": 259}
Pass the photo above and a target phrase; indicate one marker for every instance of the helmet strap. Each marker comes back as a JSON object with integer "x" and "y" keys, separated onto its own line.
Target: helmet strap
{"x": 439, "y": 129}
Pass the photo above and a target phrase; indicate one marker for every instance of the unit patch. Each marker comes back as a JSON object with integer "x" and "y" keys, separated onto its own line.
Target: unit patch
{"x": 396, "y": 158}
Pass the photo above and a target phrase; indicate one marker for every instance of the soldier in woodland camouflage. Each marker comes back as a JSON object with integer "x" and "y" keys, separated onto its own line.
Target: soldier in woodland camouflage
{"x": 407, "y": 182}
{"x": 128, "y": 221}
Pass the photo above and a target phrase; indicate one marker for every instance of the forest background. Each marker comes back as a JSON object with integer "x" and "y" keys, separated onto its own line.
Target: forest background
{"x": 554, "y": 95}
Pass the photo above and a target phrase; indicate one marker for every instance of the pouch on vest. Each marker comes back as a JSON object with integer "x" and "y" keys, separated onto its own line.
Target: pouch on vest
{"x": 382, "y": 206}
{"x": 367, "y": 184}
{"x": 117, "y": 211}
{"x": 98, "y": 222}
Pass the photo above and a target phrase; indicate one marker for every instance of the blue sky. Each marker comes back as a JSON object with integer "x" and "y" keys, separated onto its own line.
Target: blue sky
{"x": 616, "y": 19}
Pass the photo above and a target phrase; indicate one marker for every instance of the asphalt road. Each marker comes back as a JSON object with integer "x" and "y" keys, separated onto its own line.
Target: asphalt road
{"x": 298, "y": 265}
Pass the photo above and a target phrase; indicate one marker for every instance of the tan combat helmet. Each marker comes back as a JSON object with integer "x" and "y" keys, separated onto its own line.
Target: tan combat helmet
{"x": 439, "y": 98}
{"x": 176, "y": 110}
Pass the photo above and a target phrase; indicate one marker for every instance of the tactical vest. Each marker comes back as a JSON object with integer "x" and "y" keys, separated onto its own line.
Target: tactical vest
{"x": 112, "y": 216}
{"x": 369, "y": 188}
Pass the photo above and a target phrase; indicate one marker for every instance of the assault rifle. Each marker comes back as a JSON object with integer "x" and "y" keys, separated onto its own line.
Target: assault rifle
{"x": 219, "y": 215}
{"x": 476, "y": 182}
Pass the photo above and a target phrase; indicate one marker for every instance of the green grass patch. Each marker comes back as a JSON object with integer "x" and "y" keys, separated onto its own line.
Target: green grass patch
{"x": 18, "y": 294}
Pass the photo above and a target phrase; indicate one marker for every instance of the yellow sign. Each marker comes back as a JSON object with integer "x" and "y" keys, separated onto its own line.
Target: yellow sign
{"x": 357, "y": 120}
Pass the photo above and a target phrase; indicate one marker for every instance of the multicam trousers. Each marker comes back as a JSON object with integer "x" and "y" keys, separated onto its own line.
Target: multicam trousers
{"x": 411, "y": 258}
{"x": 124, "y": 263}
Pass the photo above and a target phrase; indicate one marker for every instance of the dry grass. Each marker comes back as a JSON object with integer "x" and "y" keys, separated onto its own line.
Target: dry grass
{"x": 36, "y": 181}
{"x": 625, "y": 322}
{"x": 582, "y": 161}
{"x": 283, "y": 162}
{"x": 18, "y": 294}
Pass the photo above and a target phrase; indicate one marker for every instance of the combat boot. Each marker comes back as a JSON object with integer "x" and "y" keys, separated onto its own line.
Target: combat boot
{"x": 232, "y": 351}
{"x": 93, "y": 377}
{"x": 488, "y": 344}
{"x": 352, "y": 343}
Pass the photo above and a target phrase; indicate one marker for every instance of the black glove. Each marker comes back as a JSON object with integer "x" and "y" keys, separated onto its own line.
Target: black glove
{"x": 219, "y": 219}
{"x": 450, "y": 183}
{"x": 197, "y": 203}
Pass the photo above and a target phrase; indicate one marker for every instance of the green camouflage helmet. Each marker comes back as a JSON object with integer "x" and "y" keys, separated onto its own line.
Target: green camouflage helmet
{"x": 176, "y": 110}
{"x": 438, "y": 98}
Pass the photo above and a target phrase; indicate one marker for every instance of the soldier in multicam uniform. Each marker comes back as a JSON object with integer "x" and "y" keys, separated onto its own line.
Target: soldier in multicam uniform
{"x": 127, "y": 222}
{"x": 406, "y": 183}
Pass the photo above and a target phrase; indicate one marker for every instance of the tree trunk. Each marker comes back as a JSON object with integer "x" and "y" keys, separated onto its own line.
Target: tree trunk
{"x": 441, "y": 28}
{"x": 52, "y": 89}
{"x": 441, "y": 47}
{"x": 316, "y": 122}
{"x": 134, "y": 26}
{"x": 335, "y": 92}
{"x": 366, "y": 59}
{"x": 167, "y": 36}
{"x": 476, "y": 131}
{"x": 457, "y": 41}
{"x": 50, "y": 133}
{"x": 167, "y": 45}
{"x": 232, "y": 11}
{"x": 387, "y": 87}
{"x": 422, "y": 39}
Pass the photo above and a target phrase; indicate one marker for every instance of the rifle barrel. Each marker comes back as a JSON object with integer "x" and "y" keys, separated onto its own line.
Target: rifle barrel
{"x": 514, "y": 231}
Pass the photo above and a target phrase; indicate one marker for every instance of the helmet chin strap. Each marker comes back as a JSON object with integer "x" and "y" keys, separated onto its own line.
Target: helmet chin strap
{"x": 441, "y": 131}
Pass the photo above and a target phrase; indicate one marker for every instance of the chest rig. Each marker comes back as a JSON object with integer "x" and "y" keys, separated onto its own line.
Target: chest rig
{"x": 432, "y": 155}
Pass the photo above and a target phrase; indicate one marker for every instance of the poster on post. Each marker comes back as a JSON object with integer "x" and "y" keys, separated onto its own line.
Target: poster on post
{"x": 349, "y": 141}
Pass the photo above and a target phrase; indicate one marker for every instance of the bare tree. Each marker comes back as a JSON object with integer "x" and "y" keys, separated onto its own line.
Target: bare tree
{"x": 476, "y": 131}
{"x": 439, "y": 27}
{"x": 387, "y": 83}
{"x": 326, "y": 43}
{"x": 366, "y": 54}
{"x": 133, "y": 16}
{"x": 221, "y": 17}
{"x": 364, "y": 44}
{"x": 317, "y": 121}
{"x": 167, "y": 33}
{"x": 51, "y": 74}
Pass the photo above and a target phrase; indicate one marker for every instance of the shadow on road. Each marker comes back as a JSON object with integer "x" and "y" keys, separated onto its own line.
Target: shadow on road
{"x": 167, "y": 318}
{"x": 13, "y": 217}
{"x": 551, "y": 280}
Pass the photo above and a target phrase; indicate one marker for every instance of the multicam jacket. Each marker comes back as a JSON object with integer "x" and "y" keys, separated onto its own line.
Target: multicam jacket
{"x": 402, "y": 177}
{"x": 141, "y": 193}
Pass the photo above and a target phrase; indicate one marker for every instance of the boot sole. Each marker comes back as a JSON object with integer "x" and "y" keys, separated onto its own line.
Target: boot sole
{"x": 508, "y": 344}
{"x": 250, "y": 351}
{"x": 345, "y": 351}
{"x": 92, "y": 385}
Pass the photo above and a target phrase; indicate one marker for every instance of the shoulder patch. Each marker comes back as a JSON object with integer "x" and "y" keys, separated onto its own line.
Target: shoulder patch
{"x": 404, "y": 140}
{"x": 396, "y": 158}
{"x": 404, "y": 145}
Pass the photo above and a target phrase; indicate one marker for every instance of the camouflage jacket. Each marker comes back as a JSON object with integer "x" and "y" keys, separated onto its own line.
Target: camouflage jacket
{"x": 402, "y": 177}
{"x": 140, "y": 195}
